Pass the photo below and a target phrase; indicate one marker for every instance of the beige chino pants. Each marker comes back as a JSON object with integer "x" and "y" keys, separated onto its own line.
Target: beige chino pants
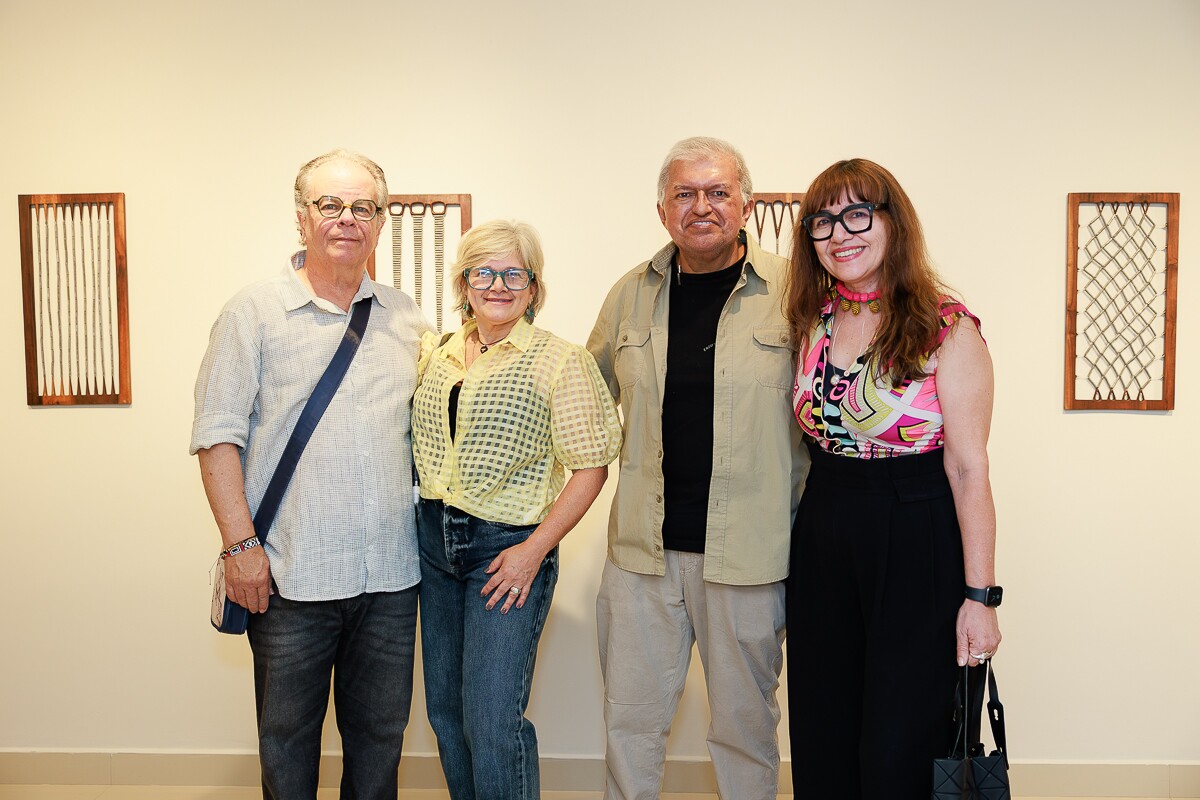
{"x": 647, "y": 625}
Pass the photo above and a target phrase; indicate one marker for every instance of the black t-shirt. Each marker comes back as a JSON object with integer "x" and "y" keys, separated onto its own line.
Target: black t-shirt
{"x": 687, "y": 415}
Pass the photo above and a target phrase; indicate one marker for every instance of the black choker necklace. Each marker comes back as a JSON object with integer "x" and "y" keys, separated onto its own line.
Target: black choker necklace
{"x": 483, "y": 346}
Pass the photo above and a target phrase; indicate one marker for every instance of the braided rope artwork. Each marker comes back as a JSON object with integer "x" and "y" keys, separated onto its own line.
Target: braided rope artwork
{"x": 439, "y": 254}
{"x": 412, "y": 253}
{"x": 418, "y": 219}
{"x": 75, "y": 299}
{"x": 780, "y": 210}
{"x": 396, "y": 213}
{"x": 1122, "y": 263}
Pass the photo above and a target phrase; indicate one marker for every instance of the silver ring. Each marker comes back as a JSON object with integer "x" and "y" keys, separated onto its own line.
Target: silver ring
{"x": 984, "y": 656}
{"x": 514, "y": 590}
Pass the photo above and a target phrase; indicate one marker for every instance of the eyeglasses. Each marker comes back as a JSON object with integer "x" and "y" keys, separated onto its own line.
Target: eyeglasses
{"x": 331, "y": 207}
{"x": 481, "y": 278}
{"x": 855, "y": 218}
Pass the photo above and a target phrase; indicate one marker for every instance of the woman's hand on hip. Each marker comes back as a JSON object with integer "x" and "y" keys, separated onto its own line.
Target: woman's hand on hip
{"x": 512, "y": 573}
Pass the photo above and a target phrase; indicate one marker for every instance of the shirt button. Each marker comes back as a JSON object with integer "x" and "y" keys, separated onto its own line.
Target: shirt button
{"x": 659, "y": 498}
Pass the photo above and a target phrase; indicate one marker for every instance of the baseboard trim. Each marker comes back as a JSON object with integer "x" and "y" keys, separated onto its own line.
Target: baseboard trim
{"x": 422, "y": 771}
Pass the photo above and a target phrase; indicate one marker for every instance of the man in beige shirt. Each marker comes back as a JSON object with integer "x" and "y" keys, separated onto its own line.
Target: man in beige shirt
{"x": 710, "y": 477}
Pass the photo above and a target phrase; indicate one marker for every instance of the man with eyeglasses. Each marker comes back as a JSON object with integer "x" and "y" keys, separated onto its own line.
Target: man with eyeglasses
{"x": 333, "y": 590}
{"x": 694, "y": 346}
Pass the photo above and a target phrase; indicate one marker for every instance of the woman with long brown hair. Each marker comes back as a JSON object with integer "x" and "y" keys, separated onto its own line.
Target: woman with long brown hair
{"x": 892, "y": 585}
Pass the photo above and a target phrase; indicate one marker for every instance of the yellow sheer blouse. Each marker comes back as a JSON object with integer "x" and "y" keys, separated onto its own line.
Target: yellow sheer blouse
{"x": 529, "y": 407}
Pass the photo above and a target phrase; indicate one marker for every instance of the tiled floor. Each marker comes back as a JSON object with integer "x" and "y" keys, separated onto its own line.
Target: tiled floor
{"x": 18, "y": 792}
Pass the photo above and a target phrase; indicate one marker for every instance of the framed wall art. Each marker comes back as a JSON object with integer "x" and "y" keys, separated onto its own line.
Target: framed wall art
{"x": 75, "y": 299}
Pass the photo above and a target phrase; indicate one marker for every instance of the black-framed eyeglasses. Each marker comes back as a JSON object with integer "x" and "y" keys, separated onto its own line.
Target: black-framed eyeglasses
{"x": 855, "y": 218}
{"x": 331, "y": 207}
{"x": 513, "y": 278}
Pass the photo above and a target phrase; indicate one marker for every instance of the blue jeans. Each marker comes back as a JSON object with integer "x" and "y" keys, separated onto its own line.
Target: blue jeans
{"x": 478, "y": 663}
{"x": 367, "y": 643}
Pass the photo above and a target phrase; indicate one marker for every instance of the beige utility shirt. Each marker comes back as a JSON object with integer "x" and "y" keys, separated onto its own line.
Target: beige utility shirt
{"x": 759, "y": 465}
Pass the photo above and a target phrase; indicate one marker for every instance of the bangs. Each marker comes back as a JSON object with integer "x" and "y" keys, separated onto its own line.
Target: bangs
{"x": 848, "y": 180}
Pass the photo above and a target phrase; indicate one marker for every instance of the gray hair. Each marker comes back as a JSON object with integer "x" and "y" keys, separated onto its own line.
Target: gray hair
{"x": 370, "y": 166}
{"x": 701, "y": 147}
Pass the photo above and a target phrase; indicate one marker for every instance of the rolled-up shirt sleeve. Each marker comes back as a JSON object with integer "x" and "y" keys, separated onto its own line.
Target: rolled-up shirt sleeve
{"x": 227, "y": 386}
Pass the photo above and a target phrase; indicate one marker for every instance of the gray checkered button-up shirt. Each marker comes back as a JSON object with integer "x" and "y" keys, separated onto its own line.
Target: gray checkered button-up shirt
{"x": 346, "y": 523}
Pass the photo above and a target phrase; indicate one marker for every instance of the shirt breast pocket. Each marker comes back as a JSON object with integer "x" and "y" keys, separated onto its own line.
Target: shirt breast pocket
{"x": 631, "y": 359}
{"x": 774, "y": 360}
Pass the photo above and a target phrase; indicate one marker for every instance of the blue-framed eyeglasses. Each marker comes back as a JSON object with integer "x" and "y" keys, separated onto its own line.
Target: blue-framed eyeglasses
{"x": 331, "y": 207}
{"x": 855, "y": 218}
{"x": 481, "y": 278}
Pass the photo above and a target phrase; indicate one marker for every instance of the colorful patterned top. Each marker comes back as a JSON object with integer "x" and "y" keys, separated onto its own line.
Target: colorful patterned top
{"x": 865, "y": 419}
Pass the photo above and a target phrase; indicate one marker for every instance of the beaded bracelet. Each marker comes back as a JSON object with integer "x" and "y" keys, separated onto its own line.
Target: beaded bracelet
{"x": 240, "y": 547}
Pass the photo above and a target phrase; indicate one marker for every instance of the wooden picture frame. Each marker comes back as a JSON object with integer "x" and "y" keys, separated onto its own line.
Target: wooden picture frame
{"x": 74, "y": 287}
{"x": 1122, "y": 274}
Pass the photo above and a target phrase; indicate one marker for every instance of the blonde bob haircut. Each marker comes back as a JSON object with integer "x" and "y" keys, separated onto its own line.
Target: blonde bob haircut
{"x": 500, "y": 238}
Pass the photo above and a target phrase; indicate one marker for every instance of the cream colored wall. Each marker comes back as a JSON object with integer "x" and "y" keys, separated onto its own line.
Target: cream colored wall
{"x": 559, "y": 113}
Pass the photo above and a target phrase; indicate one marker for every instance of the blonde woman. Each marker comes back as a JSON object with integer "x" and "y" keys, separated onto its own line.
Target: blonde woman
{"x": 503, "y": 409}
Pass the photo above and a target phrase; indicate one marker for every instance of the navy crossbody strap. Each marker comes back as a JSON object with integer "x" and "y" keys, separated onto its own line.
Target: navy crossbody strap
{"x": 318, "y": 401}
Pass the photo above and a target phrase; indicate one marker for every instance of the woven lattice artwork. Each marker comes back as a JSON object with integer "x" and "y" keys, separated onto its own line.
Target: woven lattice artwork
{"x": 418, "y": 234}
{"x": 1122, "y": 260}
{"x": 774, "y": 219}
{"x": 76, "y": 308}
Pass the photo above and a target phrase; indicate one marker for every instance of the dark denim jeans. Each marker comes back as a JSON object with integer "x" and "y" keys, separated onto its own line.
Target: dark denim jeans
{"x": 479, "y": 663}
{"x": 367, "y": 643}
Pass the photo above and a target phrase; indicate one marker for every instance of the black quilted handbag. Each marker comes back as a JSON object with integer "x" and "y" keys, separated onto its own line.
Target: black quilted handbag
{"x": 968, "y": 774}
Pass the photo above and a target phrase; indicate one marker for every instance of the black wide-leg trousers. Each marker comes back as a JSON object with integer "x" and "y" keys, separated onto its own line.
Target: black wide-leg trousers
{"x": 873, "y": 596}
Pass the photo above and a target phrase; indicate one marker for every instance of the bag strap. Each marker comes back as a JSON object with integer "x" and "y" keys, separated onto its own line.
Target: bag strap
{"x": 969, "y": 709}
{"x": 975, "y": 706}
{"x": 318, "y": 401}
{"x": 960, "y": 744}
{"x": 996, "y": 715}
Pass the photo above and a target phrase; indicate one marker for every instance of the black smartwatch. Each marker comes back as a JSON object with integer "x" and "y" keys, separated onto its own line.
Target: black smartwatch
{"x": 990, "y": 596}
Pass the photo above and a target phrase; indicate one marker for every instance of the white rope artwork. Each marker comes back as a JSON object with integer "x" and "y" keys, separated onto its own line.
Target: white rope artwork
{"x": 73, "y": 271}
{"x": 396, "y": 212}
{"x": 418, "y": 218}
{"x": 451, "y": 216}
{"x": 439, "y": 255}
